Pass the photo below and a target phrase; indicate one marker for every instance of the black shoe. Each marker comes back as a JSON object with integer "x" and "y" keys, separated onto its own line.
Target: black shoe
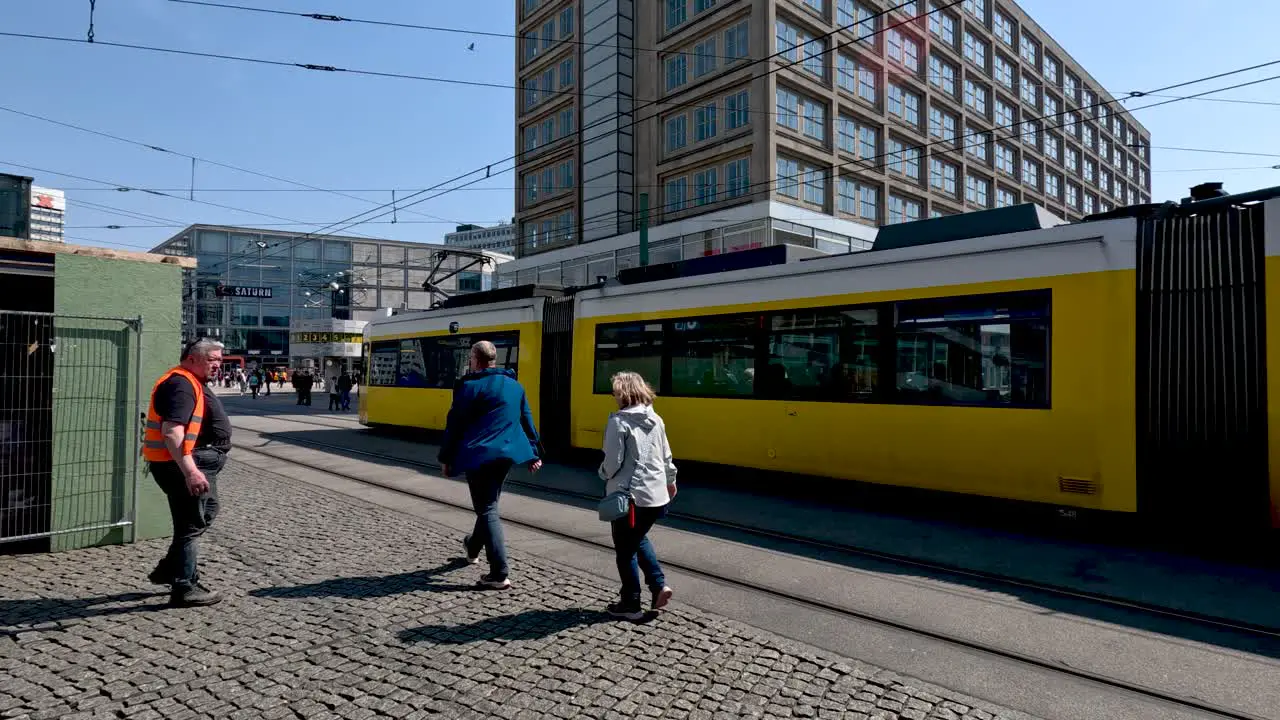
{"x": 195, "y": 596}
{"x": 489, "y": 582}
{"x": 626, "y": 610}
{"x": 160, "y": 577}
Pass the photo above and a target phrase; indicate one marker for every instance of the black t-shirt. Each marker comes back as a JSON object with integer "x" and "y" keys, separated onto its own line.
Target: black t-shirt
{"x": 176, "y": 402}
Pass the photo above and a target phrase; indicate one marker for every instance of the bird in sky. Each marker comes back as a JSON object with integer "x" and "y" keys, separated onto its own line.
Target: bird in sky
{"x": 471, "y": 47}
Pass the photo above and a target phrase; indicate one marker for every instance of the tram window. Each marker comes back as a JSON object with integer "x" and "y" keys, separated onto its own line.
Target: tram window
{"x": 714, "y": 356}
{"x": 804, "y": 354}
{"x": 975, "y": 350}
{"x": 635, "y": 347}
{"x": 382, "y": 366}
{"x": 859, "y": 371}
{"x": 451, "y": 354}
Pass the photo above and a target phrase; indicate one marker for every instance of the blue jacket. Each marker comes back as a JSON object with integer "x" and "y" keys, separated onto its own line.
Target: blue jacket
{"x": 490, "y": 420}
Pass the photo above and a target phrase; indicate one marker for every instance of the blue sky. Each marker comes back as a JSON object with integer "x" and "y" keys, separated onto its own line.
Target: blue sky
{"x": 353, "y": 132}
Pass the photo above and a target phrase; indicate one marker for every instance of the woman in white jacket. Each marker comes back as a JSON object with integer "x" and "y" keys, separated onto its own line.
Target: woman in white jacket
{"x": 637, "y": 459}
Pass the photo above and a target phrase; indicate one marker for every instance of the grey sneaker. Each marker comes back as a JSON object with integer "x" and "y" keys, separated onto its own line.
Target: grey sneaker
{"x": 195, "y": 596}
{"x": 466, "y": 551}
{"x": 489, "y": 582}
{"x": 626, "y": 610}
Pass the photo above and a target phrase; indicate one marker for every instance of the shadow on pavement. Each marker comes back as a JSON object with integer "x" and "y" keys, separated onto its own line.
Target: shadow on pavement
{"x": 41, "y": 611}
{"x": 527, "y": 625}
{"x": 372, "y": 586}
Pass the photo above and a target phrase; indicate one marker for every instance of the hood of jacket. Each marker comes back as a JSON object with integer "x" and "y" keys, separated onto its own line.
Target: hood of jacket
{"x": 489, "y": 371}
{"x": 639, "y": 416}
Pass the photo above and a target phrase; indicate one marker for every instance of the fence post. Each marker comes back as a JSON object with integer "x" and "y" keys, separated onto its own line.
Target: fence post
{"x": 137, "y": 406}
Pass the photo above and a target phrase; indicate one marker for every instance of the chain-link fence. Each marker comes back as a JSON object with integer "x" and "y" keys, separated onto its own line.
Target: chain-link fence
{"x": 69, "y": 402}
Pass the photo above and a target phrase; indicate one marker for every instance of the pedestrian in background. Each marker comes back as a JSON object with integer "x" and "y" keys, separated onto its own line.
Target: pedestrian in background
{"x": 254, "y": 381}
{"x": 185, "y": 444}
{"x": 331, "y": 384}
{"x": 637, "y": 463}
{"x": 489, "y": 429}
{"x": 302, "y": 381}
{"x": 344, "y": 389}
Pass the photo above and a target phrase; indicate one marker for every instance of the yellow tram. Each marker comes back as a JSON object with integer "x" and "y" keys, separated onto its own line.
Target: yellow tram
{"x": 1119, "y": 364}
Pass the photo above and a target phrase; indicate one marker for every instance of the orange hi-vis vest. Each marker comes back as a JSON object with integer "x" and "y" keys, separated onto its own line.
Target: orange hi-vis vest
{"x": 153, "y": 448}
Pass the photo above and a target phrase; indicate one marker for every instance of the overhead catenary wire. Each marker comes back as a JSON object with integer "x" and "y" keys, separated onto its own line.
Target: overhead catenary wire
{"x": 193, "y": 158}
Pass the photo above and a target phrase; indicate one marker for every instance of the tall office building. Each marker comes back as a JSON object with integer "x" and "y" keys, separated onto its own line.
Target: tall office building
{"x": 902, "y": 114}
{"x": 499, "y": 238}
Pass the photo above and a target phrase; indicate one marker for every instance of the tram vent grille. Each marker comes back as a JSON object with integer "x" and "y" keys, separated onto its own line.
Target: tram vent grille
{"x": 1077, "y": 486}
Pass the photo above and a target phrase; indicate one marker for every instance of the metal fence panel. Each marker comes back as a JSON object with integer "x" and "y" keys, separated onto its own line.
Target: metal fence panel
{"x": 69, "y": 403}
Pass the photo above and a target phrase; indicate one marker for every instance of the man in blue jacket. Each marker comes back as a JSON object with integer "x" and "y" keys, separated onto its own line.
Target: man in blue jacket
{"x": 489, "y": 429}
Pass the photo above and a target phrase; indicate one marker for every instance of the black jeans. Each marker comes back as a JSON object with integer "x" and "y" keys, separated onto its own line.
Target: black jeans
{"x": 635, "y": 553}
{"x": 191, "y": 515}
{"x": 334, "y": 401}
{"x": 485, "y": 483}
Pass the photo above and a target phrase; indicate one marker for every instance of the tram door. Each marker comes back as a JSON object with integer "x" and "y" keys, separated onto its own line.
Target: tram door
{"x": 557, "y": 362}
{"x": 1201, "y": 370}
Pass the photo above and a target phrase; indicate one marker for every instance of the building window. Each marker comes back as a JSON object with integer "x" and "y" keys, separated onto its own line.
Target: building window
{"x": 905, "y": 51}
{"x": 977, "y": 191}
{"x": 1071, "y": 86}
{"x": 1030, "y": 92}
{"x": 1072, "y": 124}
{"x": 942, "y": 124}
{"x": 1051, "y": 107}
{"x": 867, "y": 84}
{"x": 795, "y": 44}
{"x": 566, "y": 22}
{"x": 788, "y": 109}
{"x": 976, "y": 8}
{"x": 904, "y": 104}
{"x": 704, "y": 57}
{"x": 1104, "y": 181}
{"x": 846, "y": 73}
{"x": 737, "y": 110}
{"x": 1030, "y": 173}
{"x": 676, "y": 191}
{"x": 676, "y": 132}
{"x": 1053, "y": 147}
{"x": 1003, "y": 71}
{"x": 815, "y": 186}
{"x": 1089, "y": 138}
{"x": 548, "y": 34}
{"x": 1073, "y": 196}
{"x": 1004, "y": 115}
{"x": 943, "y": 176}
{"x": 976, "y": 144}
{"x": 903, "y": 159}
{"x": 738, "y": 177}
{"x": 677, "y": 13}
{"x": 858, "y": 199}
{"x": 1004, "y": 159}
{"x": 564, "y": 176}
{"x": 788, "y": 181}
{"x": 942, "y": 25}
{"x": 1051, "y": 69}
{"x": 942, "y": 74}
{"x": 1002, "y": 27}
{"x": 566, "y": 73}
{"x": 736, "y": 44}
{"x": 1030, "y": 50}
{"x": 1053, "y": 185}
{"x": 1090, "y": 171}
{"x": 705, "y": 122}
{"x": 903, "y": 210}
{"x": 1005, "y": 198}
{"x": 850, "y": 13}
{"x": 706, "y": 186}
{"x": 1089, "y": 202}
{"x": 975, "y": 50}
{"x": 1031, "y": 133}
{"x": 677, "y": 71}
{"x": 975, "y": 96}
{"x": 815, "y": 120}
{"x": 857, "y": 139}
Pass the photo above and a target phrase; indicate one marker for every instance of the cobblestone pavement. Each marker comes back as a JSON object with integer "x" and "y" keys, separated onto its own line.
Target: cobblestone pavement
{"x": 341, "y": 609}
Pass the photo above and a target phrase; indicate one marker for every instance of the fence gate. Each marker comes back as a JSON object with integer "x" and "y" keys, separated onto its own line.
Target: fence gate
{"x": 557, "y": 362}
{"x": 70, "y": 400}
{"x": 1201, "y": 370}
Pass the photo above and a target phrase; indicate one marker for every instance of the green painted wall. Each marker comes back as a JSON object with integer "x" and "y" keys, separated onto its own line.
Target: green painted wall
{"x": 96, "y": 427}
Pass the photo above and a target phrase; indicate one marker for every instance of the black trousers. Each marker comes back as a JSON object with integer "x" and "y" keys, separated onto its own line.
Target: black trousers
{"x": 191, "y": 515}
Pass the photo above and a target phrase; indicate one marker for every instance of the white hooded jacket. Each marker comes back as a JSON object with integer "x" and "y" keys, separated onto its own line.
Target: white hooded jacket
{"x": 637, "y": 456}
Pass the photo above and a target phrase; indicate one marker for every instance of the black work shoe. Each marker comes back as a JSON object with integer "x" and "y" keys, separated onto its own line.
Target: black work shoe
{"x": 160, "y": 577}
{"x": 626, "y": 610}
{"x": 195, "y": 596}
{"x": 489, "y": 582}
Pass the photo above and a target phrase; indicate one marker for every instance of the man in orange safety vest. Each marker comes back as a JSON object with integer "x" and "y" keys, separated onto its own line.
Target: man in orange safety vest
{"x": 187, "y": 437}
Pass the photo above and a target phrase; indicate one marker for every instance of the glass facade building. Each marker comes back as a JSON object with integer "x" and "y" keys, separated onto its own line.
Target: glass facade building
{"x": 251, "y": 286}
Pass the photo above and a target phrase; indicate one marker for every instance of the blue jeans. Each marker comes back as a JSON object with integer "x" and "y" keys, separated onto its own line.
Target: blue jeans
{"x": 191, "y": 515}
{"x": 346, "y": 399}
{"x": 635, "y": 553}
{"x": 485, "y": 483}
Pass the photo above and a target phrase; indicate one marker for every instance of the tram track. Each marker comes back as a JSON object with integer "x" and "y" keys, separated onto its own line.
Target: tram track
{"x": 1057, "y": 667}
{"x": 1006, "y": 581}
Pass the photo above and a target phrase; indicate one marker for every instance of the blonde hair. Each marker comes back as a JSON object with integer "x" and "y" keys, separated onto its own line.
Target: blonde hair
{"x": 630, "y": 389}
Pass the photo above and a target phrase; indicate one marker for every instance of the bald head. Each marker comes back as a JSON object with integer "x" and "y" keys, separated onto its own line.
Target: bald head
{"x": 484, "y": 354}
